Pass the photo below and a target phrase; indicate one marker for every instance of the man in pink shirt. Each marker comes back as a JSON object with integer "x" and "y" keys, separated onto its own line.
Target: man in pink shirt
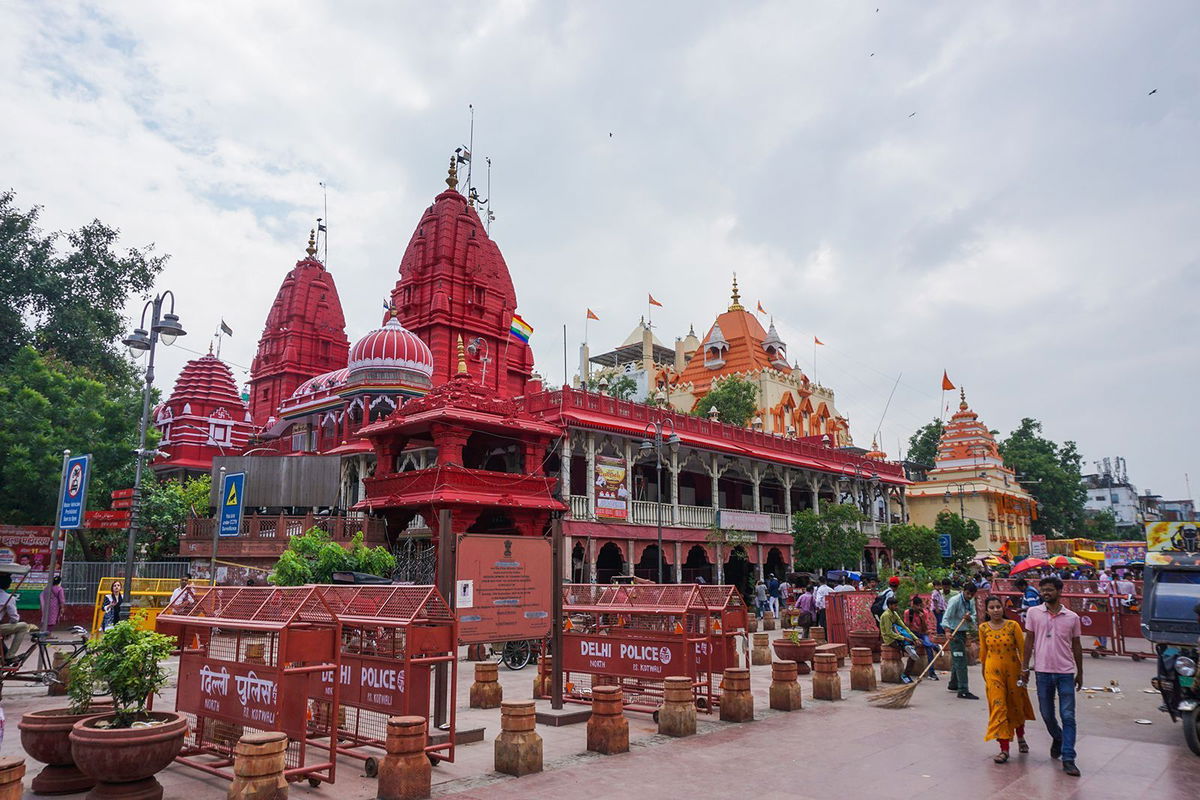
{"x": 1053, "y": 642}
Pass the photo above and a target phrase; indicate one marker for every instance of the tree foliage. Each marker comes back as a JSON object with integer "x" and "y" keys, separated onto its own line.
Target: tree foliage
{"x": 923, "y": 445}
{"x": 1051, "y": 473}
{"x": 829, "y": 540}
{"x": 1101, "y": 525}
{"x": 313, "y": 557}
{"x": 735, "y": 399}
{"x": 166, "y": 506}
{"x": 963, "y": 535}
{"x": 913, "y": 545}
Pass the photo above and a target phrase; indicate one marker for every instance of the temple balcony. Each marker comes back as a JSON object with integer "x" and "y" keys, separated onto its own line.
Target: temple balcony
{"x": 267, "y": 535}
{"x": 458, "y": 485}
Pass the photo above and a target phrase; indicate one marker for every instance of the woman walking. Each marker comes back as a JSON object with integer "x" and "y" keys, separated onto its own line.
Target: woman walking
{"x": 54, "y": 600}
{"x": 112, "y": 606}
{"x": 1001, "y": 643}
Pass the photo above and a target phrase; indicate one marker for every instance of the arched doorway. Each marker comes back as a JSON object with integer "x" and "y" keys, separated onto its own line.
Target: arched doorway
{"x": 609, "y": 562}
{"x": 647, "y": 567}
{"x": 697, "y": 565}
{"x": 775, "y": 564}
{"x": 739, "y": 571}
{"x": 578, "y": 564}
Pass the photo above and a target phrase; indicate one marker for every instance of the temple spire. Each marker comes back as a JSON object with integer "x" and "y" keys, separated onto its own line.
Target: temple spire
{"x": 462, "y": 353}
{"x": 962, "y": 398}
{"x": 312, "y": 244}
{"x": 736, "y": 305}
{"x": 452, "y": 174}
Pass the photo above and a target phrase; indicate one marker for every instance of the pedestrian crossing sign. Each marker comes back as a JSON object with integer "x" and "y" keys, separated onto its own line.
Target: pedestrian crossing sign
{"x": 233, "y": 489}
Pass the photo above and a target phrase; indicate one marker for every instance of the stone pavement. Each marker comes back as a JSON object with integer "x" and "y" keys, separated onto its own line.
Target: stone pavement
{"x": 846, "y": 749}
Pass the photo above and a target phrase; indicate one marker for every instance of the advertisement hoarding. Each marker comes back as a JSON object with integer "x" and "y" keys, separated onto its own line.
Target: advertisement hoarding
{"x": 1037, "y": 546}
{"x": 612, "y": 495}
{"x": 29, "y": 545}
{"x": 1173, "y": 542}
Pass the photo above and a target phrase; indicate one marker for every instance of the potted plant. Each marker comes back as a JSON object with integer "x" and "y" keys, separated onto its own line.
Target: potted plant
{"x": 124, "y": 749}
{"x": 791, "y": 647}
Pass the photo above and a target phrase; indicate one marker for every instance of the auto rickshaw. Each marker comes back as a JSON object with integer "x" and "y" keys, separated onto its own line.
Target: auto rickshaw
{"x": 1171, "y": 621}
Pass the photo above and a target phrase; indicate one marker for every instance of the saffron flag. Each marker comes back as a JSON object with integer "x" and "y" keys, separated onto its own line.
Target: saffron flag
{"x": 520, "y": 328}
{"x": 591, "y": 315}
{"x": 818, "y": 341}
{"x": 654, "y": 302}
{"x": 946, "y": 384}
{"x": 761, "y": 310}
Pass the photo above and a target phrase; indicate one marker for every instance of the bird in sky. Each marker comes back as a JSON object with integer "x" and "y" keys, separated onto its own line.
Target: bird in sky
{"x": 610, "y": 134}
{"x": 910, "y": 116}
{"x": 872, "y": 55}
{"x": 1152, "y": 91}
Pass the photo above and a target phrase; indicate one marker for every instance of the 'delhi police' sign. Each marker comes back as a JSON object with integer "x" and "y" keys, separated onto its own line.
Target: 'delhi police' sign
{"x": 232, "y": 494}
{"x": 73, "y": 499}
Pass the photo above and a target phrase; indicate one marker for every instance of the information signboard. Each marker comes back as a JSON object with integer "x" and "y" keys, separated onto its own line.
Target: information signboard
{"x": 1037, "y": 546}
{"x": 73, "y": 498}
{"x": 502, "y": 588}
{"x": 233, "y": 492}
{"x": 619, "y": 656}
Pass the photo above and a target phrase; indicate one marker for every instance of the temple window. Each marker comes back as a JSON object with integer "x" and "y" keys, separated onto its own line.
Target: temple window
{"x": 219, "y": 433}
{"x": 480, "y": 295}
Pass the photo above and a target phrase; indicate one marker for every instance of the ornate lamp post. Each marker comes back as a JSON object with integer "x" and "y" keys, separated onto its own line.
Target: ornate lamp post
{"x": 164, "y": 328}
{"x": 653, "y": 443}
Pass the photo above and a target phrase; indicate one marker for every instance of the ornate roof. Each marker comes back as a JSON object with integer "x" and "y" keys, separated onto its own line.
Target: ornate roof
{"x": 205, "y": 416}
{"x": 740, "y": 338}
{"x": 391, "y": 347}
{"x": 966, "y": 442}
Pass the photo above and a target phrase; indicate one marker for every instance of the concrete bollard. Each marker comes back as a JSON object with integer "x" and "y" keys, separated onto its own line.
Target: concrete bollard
{"x": 890, "y": 670}
{"x": 518, "y": 748}
{"x": 827, "y": 684}
{"x": 542, "y": 681}
{"x": 817, "y": 634}
{"x": 972, "y": 649}
{"x": 761, "y": 654}
{"x": 486, "y": 691}
{"x": 607, "y": 728}
{"x": 737, "y": 704}
{"x": 405, "y": 772}
{"x": 768, "y": 622}
{"x": 677, "y": 716}
{"x": 785, "y": 690}
{"x": 60, "y": 667}
{"x": 862, "y": 670}
{"x": 943, "y": 660}
{"x": 258, "y": 763}
{"x": 12, "y": 770}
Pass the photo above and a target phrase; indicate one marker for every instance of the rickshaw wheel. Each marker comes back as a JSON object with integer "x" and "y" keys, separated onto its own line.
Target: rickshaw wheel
{"x": 314, "y": 782}
{"x": 371, "y": 767}
{"x": 1191, "y": 730}
{"x": 433, "y": 759}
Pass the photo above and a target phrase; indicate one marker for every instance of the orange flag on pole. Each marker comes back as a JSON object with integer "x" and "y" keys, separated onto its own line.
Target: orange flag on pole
{"x": 818, "y": 341}
{"x": 592, "y": 315}
{"x": 761, "y": 310}
{"x": 653, "y": 302}
{"x": 946, "y": 384}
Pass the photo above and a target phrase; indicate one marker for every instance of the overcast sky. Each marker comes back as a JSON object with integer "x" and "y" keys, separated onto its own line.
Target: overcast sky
{"x": 989, "y": 189}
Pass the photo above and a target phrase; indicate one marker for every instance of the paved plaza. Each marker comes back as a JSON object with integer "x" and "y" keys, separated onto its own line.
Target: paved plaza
{"x": 845, "y": 748}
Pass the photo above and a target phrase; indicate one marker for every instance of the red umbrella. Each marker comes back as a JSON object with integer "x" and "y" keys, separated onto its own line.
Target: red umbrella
{"x": 1028, "y": 563}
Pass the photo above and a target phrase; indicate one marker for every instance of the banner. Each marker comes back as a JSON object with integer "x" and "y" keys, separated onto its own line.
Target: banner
{"x": 612, "y": 496}
{"x": 1037, "y": 546}
{"x": 29, "y": 545}
{"x": 1173, "y": 542}
{"x": 1119, "y": 554}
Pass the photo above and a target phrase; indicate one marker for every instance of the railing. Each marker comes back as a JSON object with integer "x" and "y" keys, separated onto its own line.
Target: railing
{"x": 274, "y": 531}
{"x": 779, "y": 523}
{"x": 579, "y": 507}
{"x": 696, "y": 516}
{"x": 81, "y": 578}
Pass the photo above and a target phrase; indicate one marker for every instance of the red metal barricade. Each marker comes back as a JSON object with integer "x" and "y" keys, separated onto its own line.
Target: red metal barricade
{"x": 246, "y": 661}
{"x": 848, "y": 611}
{"x": 635, "y": 636}
{"x": 392, "y": 638}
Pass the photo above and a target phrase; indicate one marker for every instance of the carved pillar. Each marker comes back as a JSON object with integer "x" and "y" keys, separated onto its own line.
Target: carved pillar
{"x": 564, "y": 469}
{"x": 814, "y": 492}
{"x": 714, "y": 473}
{"x": 678, "y": 563}
{"x": 720, "y": 551}
{"x": 590, "y": 556}
{"x": 590, "y": 478}
{"x": 789, "y": 480}
{"x": 629, "y": 474}
{"x": 756, "y": 483}
{"x": 674, "y": 467}
{"x": 758, "y": 549}
{"x": 450, "y": 442}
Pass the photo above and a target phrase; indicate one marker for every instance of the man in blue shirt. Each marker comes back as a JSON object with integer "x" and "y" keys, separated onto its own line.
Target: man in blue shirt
{"x": 960, "y": 617}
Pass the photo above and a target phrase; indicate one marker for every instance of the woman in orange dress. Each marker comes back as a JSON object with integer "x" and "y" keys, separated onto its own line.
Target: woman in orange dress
{"x": 1001, "y": 643}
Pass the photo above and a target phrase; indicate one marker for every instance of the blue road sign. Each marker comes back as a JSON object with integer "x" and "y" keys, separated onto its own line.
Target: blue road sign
{"x": 947, "y": 545}
{"x": 73, "y": 492}
{"x": 232, "y": 494}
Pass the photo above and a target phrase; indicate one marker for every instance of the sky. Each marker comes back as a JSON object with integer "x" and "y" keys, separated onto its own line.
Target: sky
{"x": 986, "y": 189}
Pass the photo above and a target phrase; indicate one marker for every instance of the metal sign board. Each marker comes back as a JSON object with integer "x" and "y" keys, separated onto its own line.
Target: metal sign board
{"x": 73, "y": 492}
{"x": 503, "y": 588}
{"x": 946, "y": 543}
{"x": 233, "y": 493}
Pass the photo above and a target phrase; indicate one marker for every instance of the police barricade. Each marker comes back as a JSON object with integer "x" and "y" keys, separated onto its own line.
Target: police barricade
{"x": 392, "y": 638}
{"x": 1100, "y": 614}
{"x": 635, "y": 636}
{"x": 246, "y": 662}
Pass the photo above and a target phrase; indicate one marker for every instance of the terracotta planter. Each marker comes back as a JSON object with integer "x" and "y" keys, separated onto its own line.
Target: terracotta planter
{"x": 866, "y": 638}
{"x": 45, "y": 736}
{"x": 124, "y": 761}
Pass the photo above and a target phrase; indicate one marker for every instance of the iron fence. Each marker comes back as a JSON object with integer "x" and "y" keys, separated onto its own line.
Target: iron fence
{"x": 81, "y": 579}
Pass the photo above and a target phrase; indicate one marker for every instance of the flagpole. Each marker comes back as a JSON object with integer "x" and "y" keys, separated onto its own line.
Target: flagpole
{"x": 815, "y": 361}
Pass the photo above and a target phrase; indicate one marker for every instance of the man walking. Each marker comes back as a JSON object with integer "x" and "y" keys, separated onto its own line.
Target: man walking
{"x": 760, "y": 598}
{"x": 773, "y": 594}
{"x": 1053, "y": 642}
{"x": 819, "y": 597}
{"x": 960, "y": 614}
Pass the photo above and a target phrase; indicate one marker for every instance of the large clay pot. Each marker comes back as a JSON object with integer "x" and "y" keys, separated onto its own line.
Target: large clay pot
{"x": 124, "y": 761}
{"x": 45, "y": 736}
{"x": 868, "y": 638}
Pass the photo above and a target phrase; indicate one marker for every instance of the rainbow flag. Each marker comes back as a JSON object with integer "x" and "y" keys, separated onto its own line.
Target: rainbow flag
{"x": 520, "y": 328}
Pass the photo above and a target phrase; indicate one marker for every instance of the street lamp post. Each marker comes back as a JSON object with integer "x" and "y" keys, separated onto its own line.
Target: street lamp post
{"x": 164, "y": 327}
{"x": 656, "y": 430}
{"x": 962, "y": 510}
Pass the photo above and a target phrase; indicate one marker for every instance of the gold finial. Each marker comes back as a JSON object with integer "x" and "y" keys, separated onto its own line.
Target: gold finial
{"x": 462, "y": 353}
{"x": 452, "y": 174}
{"x": 312, "y": 243}
{"x": 962, "y": 399}
{"x": 736, "y": 305}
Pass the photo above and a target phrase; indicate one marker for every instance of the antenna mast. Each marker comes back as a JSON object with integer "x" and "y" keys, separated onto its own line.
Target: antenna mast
{"x": 470, "y": 148}
{"x": 323, "y": 223}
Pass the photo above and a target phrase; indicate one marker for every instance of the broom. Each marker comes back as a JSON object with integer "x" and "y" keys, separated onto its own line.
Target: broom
{"x": 900, "y": 696}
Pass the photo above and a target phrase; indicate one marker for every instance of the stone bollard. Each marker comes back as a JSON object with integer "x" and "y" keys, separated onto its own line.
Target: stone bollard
{"x": 12, "y": 770}
{"x": 751, "y": 623}
{"x": 943, "y": 660}
{"x": 972, "y": 649}
{"x": 518, "y": 748}
{"x": 258, "y": 764}
{"x": 862, "y": 670}
{"x": 827, "y": 684}
{"x": 677, "y": 716}
{"x": 486, "y": 691}
{"x": 890, "y": 670}
{"x": 785, "y": 690}
{"x": 916, "y": 666}
{"x": 607, "y": 728}
{"x": 477, "y": 652}
{"x": 737, "y": 704}
{"x": 405, "y": 772}
{"x": 817, "y": 634}
{"x": 761, "y": 654}
{"x": 768, "y": 622}
{"x": 542, "y": 681}
{"x": 60, "y": 667}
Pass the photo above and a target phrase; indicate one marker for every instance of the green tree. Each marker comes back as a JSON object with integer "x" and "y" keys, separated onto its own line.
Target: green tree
{"x": 166, "y": 507}
{"x": 46, "y": 405}
{"x": 963, "y": 535}
{"x": 913, "y": 545}
{"x": 65, "y": 291}
{"x": 313, "y": 557}
{"x": 735, "y": 399}
{"x": 1051, "y": 473}
{"x": 829, "y": 540}
{"x": 622, "y": 387}
{"x": 923, "y": 445}
{"x": 1101, "y": 525}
